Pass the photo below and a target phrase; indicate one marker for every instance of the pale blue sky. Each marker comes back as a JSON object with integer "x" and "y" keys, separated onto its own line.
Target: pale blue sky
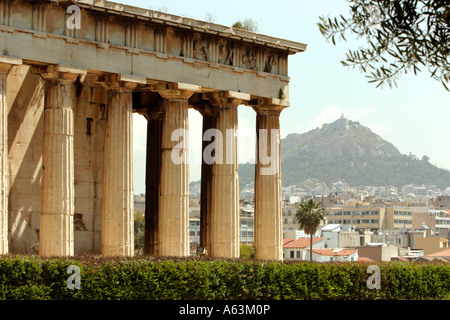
{"x": 415, "y": 117}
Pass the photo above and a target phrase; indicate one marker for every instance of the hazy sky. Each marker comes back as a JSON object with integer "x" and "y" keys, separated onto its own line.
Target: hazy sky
{"x": 415, "y": 116}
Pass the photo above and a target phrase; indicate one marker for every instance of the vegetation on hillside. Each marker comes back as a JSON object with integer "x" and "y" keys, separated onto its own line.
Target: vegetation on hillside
{"x": 347, "y": 151}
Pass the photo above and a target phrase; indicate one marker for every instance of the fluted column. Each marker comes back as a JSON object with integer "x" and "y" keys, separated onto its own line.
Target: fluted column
{"x": 152, "y": 179}
{"x": 3, "y": 161}
{"x": 173, "y": 220}
{"x": 117, "y": 235}
{"x": 209, "y": 122}
{"x": 268, "y": 210}
{"x": 5, "y": 64}
{"x": 56, "y": 229}
{"x": 224, "y": 225}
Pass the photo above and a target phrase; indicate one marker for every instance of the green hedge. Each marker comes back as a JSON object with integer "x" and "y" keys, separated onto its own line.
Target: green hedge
{"x": 30, "y": 277}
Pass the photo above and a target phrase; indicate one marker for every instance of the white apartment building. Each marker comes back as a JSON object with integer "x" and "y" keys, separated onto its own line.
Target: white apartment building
{"x": 364, "y": 216}
{"x": 344, "y": 236}
{"x": 441, "y": 222}
{"x": 334, "y": 255}
{"x": 296, "y": 249}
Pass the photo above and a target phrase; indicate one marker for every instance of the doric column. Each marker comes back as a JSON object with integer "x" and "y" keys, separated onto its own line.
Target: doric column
{"x": 209, "y": 122}
{"x": 152, "y": 179}
{"x": 56, "y": 229}
{"x": 268, "y": 198}
{"x": 173, "y": 220}
{"x": 117, "y": 236}
{"x": 5, "y": 64}
{"x": 224, "y": 222}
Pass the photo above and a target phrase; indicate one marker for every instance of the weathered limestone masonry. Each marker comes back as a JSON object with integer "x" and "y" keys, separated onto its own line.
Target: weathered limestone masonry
{"x": 117, "y": 215}
{"x": 5, "y": 65}
{"x": 58, "y": 188}
{"x": 67, "y": 96}
{"x": 224, "y": 215}
{"x": 268, "y": 235}
{"x": 173, "y": 212}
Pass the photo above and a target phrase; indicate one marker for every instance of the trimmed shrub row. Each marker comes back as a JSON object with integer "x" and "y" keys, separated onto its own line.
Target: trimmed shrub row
{"x": 34, "y": 278}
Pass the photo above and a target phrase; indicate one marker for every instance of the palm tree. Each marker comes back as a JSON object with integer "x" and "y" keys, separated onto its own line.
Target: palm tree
{"x": 309, "y": 215}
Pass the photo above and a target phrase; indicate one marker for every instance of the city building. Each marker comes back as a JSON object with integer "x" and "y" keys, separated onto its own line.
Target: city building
{"x": 432, "y": 245}
{"x": 194, "y": 231}
{"x": 289, "y": 221}
{"x": 440, "y": 255}
{"x": 296, "y": 249}
{"x": 398, "y": 218}
{"x": 384, "y": 192}
{"x": 361, "y": 216}
{"x": 290, "y": 225}
{"x": 442, "y": 223}
{"x": 295, "y": 234}
{"x": 398, "y": 237}
{"x": 334, "y": 255}
{"x": 247, "y": 228}
{"x": 441, "y": 202}
{"x": 435, "y": 222}
{"x": 366, "y": 216}
{"x": 419, "y": 192}
{"x": 344, "y": 236}
{"x": 378, "y": 251}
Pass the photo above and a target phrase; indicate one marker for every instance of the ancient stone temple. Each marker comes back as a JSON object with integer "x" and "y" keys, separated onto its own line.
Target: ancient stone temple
{"x": 72, "y": 74}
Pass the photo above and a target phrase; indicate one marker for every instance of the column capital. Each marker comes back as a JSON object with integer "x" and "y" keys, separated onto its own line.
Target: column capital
{"x": 7, "y": 62}
{"x": 151, "y": 114}
{"x": 65, "y": 74}
{"x": 268, "y": 110}
{"x": 268, "y": 105}
{"x": 226, "y": 99}
{"x": 175, "y": 90}
{"x": 205, "y": 109}
{"x": 120, "y": 82}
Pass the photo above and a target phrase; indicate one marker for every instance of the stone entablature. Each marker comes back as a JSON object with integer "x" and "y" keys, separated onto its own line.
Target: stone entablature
{"x": 148, "y": 44}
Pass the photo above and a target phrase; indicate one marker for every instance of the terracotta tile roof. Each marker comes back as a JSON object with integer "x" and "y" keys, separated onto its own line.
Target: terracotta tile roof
{"x": 364, "y": 259}
{"x": 334, "y": 252}
{"x": 399, "y": 259}
{"x": 300, "y": 243}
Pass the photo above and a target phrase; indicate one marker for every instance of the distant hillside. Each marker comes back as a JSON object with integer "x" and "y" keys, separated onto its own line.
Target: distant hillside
{"x": 347, "y": 151}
